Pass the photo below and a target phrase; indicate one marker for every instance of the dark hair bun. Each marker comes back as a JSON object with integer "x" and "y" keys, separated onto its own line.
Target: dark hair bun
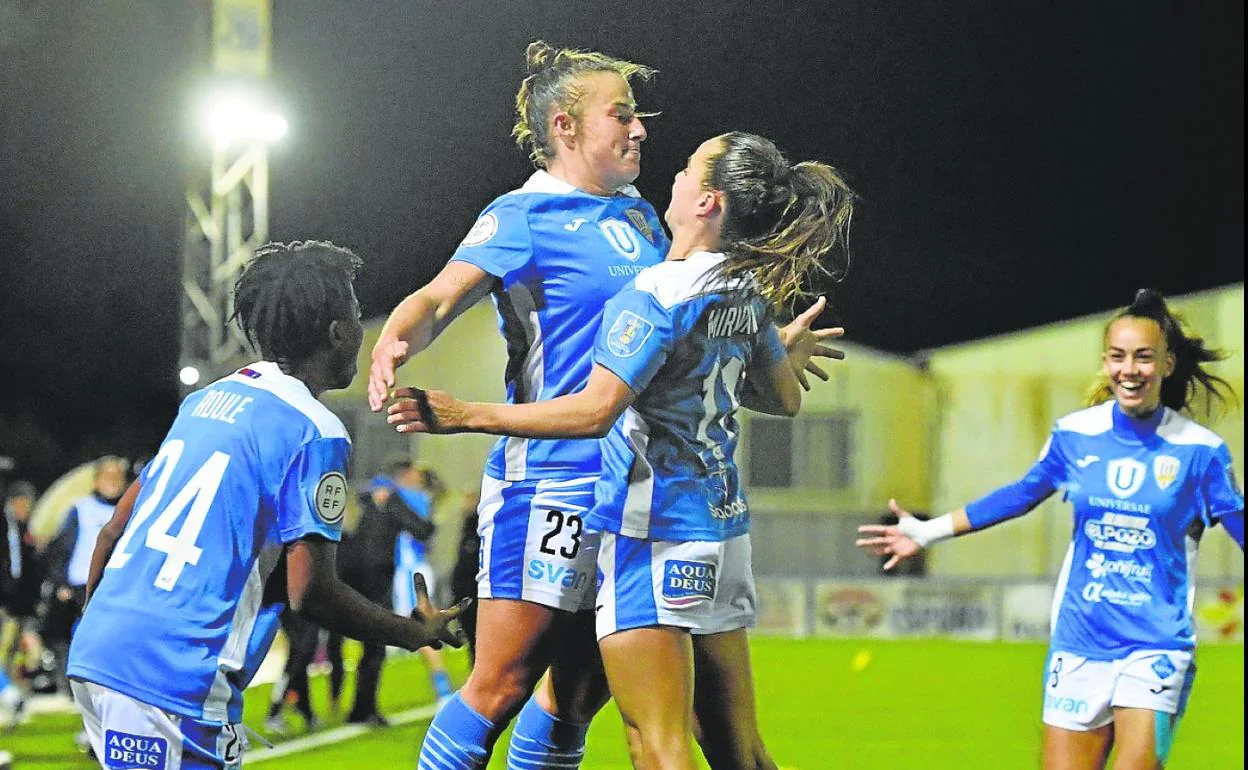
{"x": 538, "y": 56}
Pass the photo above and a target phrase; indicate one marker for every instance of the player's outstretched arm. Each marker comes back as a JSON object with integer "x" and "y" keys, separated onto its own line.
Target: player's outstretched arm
{"x": 588, "y": 413}
{"x": 110, "y": 533}
{"x": 804, "y": 343}
{"x": 909, "y": 535}
{"x": 419, "y": 319}
{"x": 1234, "y": 525}
{"x": 315, "y": 592}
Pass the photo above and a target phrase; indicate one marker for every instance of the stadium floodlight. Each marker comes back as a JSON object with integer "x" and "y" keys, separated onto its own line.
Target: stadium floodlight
{"x": 189, "y": 376}
{"x": 235, "y": 114}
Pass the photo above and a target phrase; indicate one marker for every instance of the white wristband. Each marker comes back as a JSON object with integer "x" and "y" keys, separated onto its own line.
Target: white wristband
{"x": 927, "y": 532}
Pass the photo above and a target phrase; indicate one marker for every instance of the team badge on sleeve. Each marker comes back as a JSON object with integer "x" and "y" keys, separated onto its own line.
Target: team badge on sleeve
{"x": 482, "y": 231}
{"x": 331, "y": 497}
{"x": 1165, "y": 470}
{"x": 629, "y": 332}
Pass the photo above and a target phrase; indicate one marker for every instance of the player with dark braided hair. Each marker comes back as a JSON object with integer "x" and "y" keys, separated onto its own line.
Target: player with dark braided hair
{"x": 678, "y": 350}
{"x": 1145, "y": 483}
{"x": 237, "y": 515}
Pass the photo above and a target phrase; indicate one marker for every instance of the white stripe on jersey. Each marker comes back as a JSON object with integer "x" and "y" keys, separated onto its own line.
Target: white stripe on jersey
{"x": 543, "y": 182}
{"x": 273, "y": 380}
{"x": 532, "y": 375}
{"x": 1092, "y": 421}
{"x": 1063, "y": 577}
{"x": 676, "y": 281}
{"x": 1177, "y": 429}
{"x": 635, "y": 518}
{"x": 1191, "y": 545}
{"x": 234, "y": 652}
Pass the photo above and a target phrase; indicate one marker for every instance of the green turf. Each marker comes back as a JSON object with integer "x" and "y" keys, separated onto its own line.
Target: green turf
{"x": 917, "y": 704}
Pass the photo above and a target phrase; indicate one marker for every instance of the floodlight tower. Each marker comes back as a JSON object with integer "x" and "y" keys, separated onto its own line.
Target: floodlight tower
{"x": 227, "y": 207}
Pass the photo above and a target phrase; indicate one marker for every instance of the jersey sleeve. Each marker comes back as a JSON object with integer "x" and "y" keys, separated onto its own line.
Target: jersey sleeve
{"x": 499, "y": 242}
{"x": 1219, "y": 488}
{"x": 313, "y": 495}
{"x": 635, "y": 337}
{"x": 1013, "y": 500}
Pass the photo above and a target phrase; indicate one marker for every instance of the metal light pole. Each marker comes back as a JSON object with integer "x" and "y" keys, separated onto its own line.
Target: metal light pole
{"x": 227, "y": 214}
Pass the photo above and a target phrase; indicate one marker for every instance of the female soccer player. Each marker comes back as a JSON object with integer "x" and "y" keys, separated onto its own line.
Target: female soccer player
{"x": 185, "y": 587}
{"x": 677, "y": 352}
{"x": 1145, "y": 483}
{"x": 551, "y": 253}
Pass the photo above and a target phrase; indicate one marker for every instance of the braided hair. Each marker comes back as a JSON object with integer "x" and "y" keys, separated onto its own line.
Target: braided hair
{"x": 289, "y": 294}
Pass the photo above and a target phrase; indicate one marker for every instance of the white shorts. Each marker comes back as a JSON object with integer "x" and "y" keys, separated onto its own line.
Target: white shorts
{"x": 534, "y": 545}
{"x": 704, "y": 586}
{"x": 126, "y": 733}
{"x": 403, "y": 591}
{"x": 1080, "y": 694}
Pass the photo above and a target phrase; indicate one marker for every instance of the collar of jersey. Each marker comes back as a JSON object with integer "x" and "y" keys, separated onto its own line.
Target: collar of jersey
{"x": 1136, "y": 431}
{"x": 274, "y": 374}
{"x": 544, "y": 182}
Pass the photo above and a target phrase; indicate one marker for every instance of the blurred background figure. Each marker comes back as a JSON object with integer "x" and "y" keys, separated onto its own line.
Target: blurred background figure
{"x": 366, "y": 562}
{"x": 292, "y": 687}
{"x": 19, "y": 594}
{"x": 419, "y": 488}
{"x": 68, "y": 557}
{"x": 467, "y": 564}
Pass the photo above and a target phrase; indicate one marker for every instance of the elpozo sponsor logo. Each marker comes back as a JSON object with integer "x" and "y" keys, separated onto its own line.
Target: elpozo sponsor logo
{"x": 1120, "y": 532}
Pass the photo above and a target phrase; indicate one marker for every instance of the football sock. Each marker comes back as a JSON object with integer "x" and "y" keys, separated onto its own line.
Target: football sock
{"x": 541, "y": 740}
{"x": 458, "y": 739}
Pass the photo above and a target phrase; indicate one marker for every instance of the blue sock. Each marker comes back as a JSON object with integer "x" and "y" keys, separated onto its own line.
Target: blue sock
{"x": 458, "y": 739}
{"x": 441, "y": 683}
{"x": 540, "y": 740}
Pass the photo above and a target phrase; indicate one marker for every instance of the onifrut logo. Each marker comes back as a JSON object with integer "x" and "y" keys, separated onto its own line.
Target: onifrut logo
{"x": 687, "y": 582}
{"x": 124, "y": 750}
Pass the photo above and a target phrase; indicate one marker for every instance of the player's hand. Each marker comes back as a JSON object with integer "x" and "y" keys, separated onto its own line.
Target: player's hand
{"x": 889, "y": 539}
{"x": 804, "y": 343}
{"x": 388, "y": 354}
{"x": 427, "y": 411}
{"x": 440, "y": 627}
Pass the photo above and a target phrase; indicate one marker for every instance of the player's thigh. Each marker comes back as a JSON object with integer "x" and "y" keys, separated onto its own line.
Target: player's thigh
{"x": 576, "y": 687}
{"x": 534, "y": 545}
{"x": 515, "y": 644}
{"x": 1076, "y": 749}
{"x": 724, "y": 702}
{"x": 1150, "y": 697}
{"x": 125, "y": 732}
{"x": 650, "y": 671}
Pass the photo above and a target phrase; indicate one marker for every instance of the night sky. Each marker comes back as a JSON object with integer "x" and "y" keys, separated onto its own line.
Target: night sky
{"x": 1018, "y": 163}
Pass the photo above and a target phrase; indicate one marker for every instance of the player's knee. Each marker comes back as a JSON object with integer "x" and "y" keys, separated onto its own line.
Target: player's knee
{"x": 498, "y": 693}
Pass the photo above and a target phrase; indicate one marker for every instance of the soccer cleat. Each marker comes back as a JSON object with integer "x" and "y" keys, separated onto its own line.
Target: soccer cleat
{"x": 276, "y": 725}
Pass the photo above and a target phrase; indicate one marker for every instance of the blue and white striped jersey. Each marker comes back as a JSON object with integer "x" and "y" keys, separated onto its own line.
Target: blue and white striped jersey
{"x": 559, "y": 254}
{"x": 251, "y": 463}
{"x": 1143, "y": 493}
{"x": 668, "y": 471}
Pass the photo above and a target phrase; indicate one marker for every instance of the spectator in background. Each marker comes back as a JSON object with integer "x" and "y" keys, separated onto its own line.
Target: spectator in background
{"x": 19, "y": 593}
{"x": 292, "y": 685}
{"x": 419, "y": 488}
{"x": 68, "y": 558}
{"x": 366, "y": 563}
{"x": 467, "y": 564}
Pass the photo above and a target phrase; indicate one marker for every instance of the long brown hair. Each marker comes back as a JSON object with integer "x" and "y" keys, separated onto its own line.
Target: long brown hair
{"x": 782, "y": 224}
{"x": 1179, "y": 390}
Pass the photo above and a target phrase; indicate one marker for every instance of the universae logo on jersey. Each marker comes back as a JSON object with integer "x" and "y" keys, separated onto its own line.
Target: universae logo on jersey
{"x": 687, "y": 582}
{"x": 622, "y": 238}
{"x": 1165, "y": 470}
{"x": 629, "y": 332}
{"x": 1125, "y": 476}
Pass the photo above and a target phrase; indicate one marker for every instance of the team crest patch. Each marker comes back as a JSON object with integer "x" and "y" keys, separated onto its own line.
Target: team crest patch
{"x": 482, "y": 231}
{"x": 638, "y": 218}
{"x": 331, "y": 497}
{"x": 1125, "y": 476}
{"x": 1165, "y": 470}
{"x": 123, "y": 751}
{"x": 687, "y": 582}
{"x": 1163, "y": 668}
{"x": 629, "y": 332}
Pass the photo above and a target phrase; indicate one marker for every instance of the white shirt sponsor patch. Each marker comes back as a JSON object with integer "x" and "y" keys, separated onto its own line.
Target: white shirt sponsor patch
{"x": 331, "y": 497}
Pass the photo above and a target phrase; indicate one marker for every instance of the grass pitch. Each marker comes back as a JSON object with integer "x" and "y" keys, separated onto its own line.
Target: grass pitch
{"x": 929, "y": 704}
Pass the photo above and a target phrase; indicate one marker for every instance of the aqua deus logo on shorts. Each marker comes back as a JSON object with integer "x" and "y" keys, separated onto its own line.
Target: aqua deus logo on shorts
{"x": 123, "y": 751}
{"x": 686, "y": 582}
